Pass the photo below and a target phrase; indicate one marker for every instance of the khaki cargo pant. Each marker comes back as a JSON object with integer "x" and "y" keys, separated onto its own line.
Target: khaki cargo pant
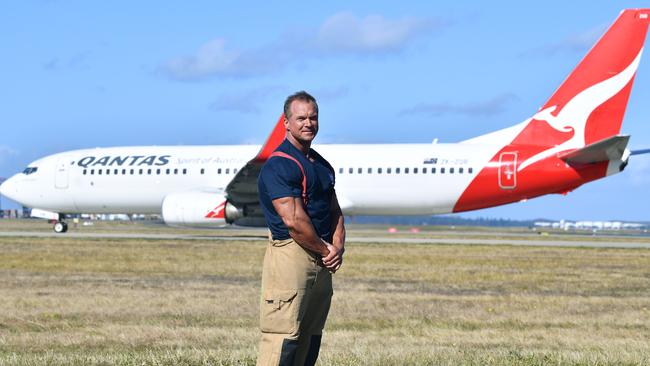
{"x": 296, "y": 296}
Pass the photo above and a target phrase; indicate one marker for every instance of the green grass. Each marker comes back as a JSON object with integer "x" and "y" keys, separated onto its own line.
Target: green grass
{"x": 74, "y": 301}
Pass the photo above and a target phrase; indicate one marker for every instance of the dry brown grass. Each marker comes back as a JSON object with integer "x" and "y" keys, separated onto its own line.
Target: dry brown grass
{"x": 159, "y": 302}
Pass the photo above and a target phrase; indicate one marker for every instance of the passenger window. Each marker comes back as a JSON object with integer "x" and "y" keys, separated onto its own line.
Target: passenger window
{"x": 116, "y": 171}
{"x": 469, "y": 170}
{"x": 235, "y": 171}
{"x": 340, "y": 170}
{"x": 176, "y": 171}
{"x": 227, "y": 170}
{"x": 184, "y": 171}
{"x": 442, "y": 170}
{"x": 132, "y": 171}
{"x": 123, "y": 171}
{"x": 378, "y": 170}
{"x": 350, "y": 170}
{"x": 396, "y": 170}
{"x": 424, "y": 170}
{"x": 406, "y": 170}
{"x": 99, "y": 171}
{"x": 433, "y": 170}
{"x": 108, "y": 171}
{"x": 369, "y": 170}
{"x": 460, "y": 170}
{"x": 141, "y": 171}
{"x": 158, "y": 171}
{"x": 149, "y": 171}
{"x": 202, "y": 170}
{"x": 451, "y": 170}
{"x": 219, "y": 171}
{"x": 415, "y": 170}
{"x": 167, "y": 171}
{"x": 84, "y": 171}
{"x": 387, "y": 170}
{"x": 360, "y": 170}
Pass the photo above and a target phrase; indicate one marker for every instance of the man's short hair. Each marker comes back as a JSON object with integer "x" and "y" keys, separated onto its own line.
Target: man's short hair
{"x": 301, "y": 96}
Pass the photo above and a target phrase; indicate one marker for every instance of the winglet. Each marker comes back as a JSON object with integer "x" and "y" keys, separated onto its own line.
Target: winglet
{"x": 275, "y": 139}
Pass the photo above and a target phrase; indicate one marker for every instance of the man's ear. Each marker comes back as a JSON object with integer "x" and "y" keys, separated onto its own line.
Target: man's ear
{"x": 286, "y": 123}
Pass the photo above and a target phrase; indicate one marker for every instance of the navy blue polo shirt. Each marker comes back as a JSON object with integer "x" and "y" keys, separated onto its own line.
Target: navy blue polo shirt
{"x": 281, "y": 177}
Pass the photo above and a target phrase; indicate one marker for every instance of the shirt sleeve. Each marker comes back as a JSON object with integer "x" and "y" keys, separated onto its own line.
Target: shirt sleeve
{"x": 282, "y": 178}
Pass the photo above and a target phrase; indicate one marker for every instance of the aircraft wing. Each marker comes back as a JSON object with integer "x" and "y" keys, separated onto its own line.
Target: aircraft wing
{"x": 611, "y": 148}
{"x": 639, "y": 152}
{"x": 242, "y": 189}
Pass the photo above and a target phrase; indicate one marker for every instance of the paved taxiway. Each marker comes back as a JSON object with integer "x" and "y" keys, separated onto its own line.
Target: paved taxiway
{"x": 550, "y": 241}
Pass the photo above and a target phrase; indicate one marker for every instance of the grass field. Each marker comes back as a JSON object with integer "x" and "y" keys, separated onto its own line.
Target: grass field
{"x": 74, "y": 301}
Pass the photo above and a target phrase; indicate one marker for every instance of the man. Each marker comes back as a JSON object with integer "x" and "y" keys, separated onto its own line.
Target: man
{"x": 306, "y": 242}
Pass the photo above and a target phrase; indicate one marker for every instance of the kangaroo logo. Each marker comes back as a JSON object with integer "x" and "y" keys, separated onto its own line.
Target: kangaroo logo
{"x": 574, "y": 115}
{"x": 217, "y": 212}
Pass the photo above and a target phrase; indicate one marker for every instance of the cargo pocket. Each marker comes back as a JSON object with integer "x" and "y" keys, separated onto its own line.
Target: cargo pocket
{"x": 279, "y": 311}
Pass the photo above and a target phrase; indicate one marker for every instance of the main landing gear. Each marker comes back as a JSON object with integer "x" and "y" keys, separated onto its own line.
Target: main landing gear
{"x": 60, "y": 227}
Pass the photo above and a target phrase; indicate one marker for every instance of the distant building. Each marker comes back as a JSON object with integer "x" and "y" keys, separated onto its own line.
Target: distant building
{"x": 591, "y": 225}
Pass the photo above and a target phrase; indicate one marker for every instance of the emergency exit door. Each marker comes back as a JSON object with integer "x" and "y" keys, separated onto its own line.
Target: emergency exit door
{"x": 508, "y": 170}
{"x": 61, "y": 174}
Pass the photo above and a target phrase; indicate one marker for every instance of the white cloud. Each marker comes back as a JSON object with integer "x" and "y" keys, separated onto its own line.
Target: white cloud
{"x": 211, "y": 58}
{"x": 346, "y": 33}
{"x": 245, "y": 102}
{"x": 77, "y": 61}
{"x": 490, "y": 107}
{"x": 575, "y": 43}
{"x": 340, "y": 34}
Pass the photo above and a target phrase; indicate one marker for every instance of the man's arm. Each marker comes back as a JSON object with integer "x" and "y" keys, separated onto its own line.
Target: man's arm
{"x": 338, "y": 236}
{"x": 299, "y": 224}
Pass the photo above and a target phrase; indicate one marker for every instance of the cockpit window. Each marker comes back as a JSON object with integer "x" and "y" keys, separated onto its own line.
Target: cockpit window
{"x": 29, "y": 170}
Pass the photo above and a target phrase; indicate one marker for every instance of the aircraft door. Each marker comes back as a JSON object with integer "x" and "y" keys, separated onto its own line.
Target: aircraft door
{"x": 508, "y": 170}
{"x": 61, "y": 174}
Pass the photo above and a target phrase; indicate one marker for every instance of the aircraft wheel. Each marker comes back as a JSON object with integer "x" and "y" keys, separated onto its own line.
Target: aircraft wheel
{"x": 60, "y": 227}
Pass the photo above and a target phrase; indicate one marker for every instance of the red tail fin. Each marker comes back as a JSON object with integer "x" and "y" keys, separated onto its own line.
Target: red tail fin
{"x": 274, "y": 140}
{"x": 585, "y": 110}
{"x": 591, "y": 102}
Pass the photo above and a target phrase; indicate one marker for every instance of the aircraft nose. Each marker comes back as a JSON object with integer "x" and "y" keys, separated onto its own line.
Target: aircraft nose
{"x": 8, "y": 189}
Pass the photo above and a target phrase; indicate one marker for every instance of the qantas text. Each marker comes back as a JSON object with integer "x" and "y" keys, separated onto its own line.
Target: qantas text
{"x": 136, "y": 160}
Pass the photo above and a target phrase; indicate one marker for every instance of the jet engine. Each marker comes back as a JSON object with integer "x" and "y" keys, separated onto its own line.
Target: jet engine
{"x": 198, "y": 209}
{"x": 207, "y": 209}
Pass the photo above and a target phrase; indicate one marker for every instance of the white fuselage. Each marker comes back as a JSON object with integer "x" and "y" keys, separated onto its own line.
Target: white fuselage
{"x": 370, "y": 179}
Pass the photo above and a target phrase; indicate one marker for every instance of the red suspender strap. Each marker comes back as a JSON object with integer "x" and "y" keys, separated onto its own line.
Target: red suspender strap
{"x": 304, "y": 176}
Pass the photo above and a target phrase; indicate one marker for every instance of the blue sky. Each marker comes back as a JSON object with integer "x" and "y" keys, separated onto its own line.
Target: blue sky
{"x": 78, "y": 74}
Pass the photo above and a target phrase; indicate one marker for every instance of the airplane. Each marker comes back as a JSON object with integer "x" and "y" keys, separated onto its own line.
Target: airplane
{"x": 573, "y": 139}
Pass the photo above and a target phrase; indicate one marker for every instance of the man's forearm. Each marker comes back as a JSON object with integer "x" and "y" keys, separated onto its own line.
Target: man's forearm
{"x": 299, "y": 224}
{"x": 338, "y": 225}
{"x": 302, "y": 231}
{"x": 338, "y": 238}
